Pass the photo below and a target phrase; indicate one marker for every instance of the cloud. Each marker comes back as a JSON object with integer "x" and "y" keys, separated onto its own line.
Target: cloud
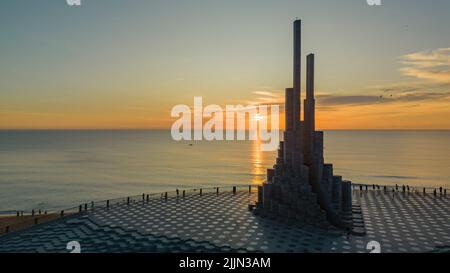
{"x": 431, "y": 68}
{"x": 266, "y": 94}
{"x": 422, "y": 96}
{"x": 334, "y": 100}
{"x": 431, "y": 65}
{"x": 267, "y": 98}
{"x": 328, "y": 100}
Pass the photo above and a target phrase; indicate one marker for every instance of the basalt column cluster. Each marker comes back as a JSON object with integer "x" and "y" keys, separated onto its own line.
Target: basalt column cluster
{"x": 301, "y": 186}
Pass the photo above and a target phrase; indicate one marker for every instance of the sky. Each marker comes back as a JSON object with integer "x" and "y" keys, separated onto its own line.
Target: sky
{"x": 125, "y": 64}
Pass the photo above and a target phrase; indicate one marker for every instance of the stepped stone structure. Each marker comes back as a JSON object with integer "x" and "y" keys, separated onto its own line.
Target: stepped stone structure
{"x": 301, "y": 186}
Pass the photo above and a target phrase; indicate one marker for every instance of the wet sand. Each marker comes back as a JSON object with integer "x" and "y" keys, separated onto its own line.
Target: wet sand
{"x": 17, "y": 223}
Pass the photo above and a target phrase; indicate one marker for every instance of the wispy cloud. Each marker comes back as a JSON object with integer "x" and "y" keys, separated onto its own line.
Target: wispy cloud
{"x": 335, "y": 100}
{"x": 267, "y": 97}
{"x": 328, "y": 100}
{"x": 270, "y": 94}
{"x": 431, "y": 65}
{"x": 431, "y": 69}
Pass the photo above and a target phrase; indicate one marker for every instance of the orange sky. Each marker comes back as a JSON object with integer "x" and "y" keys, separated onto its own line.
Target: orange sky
{"x": 391, "y": 115}
{"x": 126, "y": 65}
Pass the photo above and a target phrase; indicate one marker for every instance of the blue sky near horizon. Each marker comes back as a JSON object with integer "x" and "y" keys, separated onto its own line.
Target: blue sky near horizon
{"x": 124, "y": 64}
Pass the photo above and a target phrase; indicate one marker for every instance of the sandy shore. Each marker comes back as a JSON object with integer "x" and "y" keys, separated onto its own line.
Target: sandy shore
{"x": 17, "y": 223}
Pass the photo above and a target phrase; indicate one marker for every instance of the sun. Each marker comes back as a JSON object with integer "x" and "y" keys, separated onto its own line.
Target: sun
{"x": 258, "y": 117}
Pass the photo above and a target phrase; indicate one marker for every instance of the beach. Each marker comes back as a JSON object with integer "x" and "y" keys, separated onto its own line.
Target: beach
{"x": 12, "y": 223}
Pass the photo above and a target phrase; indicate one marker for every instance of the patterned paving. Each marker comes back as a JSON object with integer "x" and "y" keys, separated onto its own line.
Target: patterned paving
{"x": 53, "y": 237}
{"x": 222, "y": 219}
{"x": 406, "y": 222}
{"x": 223, "y": 223}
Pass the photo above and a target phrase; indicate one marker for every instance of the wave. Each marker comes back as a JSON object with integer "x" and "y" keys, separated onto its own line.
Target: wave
{"x": 395, "y": 177}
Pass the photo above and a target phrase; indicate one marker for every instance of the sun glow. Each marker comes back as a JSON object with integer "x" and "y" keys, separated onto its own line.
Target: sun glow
{"x": 258, "y": 117}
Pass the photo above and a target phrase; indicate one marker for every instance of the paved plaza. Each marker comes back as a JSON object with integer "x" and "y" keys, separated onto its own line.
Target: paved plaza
{"x": 400, "y": 222}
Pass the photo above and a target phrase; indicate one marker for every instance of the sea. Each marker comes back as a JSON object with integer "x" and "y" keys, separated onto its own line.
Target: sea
{"x": 57, "y": 169}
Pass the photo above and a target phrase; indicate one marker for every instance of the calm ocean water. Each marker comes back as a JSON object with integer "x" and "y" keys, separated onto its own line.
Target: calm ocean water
{"x": 59, "y": 169}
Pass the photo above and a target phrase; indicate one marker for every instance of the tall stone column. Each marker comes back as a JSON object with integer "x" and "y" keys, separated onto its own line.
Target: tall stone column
{"x": 289, "y": 109}
{"x": 288, "y": 134}
{"x": 297, "y": 155}
{"x": 297, "y": 72}
{"x": 309, "y": 102}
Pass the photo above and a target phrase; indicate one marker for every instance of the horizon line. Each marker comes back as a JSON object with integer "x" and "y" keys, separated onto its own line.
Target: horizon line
{"x": 168, "y": 129}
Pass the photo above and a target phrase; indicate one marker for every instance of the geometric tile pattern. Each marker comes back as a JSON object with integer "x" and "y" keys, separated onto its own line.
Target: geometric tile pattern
{"x": 406, "y": 222}
{"x": 53, "y": 237}
{"x": 400, "y": 222}
{"x": 222, "y": 219}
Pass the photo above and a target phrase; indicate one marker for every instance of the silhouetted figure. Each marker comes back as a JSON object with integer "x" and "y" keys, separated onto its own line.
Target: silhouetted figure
{"x": 424, "y": 190}
{"x": 407, "y": 187}
{"x": 373, "y": 186}
{"x": 396, "y": 187}
{"x": 435, "y": 192}
{"x": 440, "y": 190}
{"x": 404, "y": 188}
{"x": 178, "y": 192}
{"x": 360, "y": 187}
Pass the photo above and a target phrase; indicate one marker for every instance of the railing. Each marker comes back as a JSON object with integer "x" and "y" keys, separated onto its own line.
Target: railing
{"x": 402, "y": 188}
{"x": 24, "y": 220}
